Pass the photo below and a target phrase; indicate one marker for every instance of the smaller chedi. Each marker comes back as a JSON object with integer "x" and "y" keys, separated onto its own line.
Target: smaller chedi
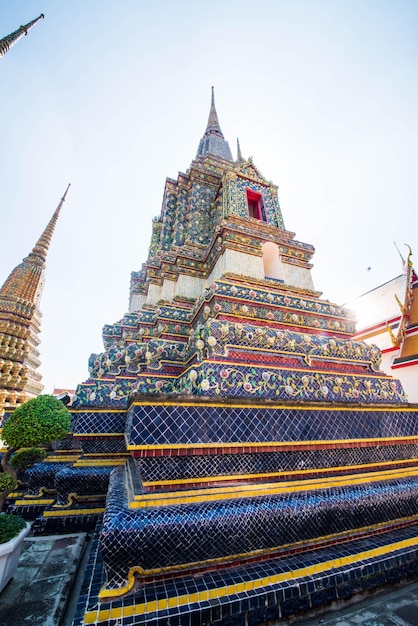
{"x": 20, "y": 323}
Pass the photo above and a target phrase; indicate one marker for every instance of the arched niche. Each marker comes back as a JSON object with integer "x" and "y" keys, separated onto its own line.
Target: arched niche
{"x": 271, "y": 260}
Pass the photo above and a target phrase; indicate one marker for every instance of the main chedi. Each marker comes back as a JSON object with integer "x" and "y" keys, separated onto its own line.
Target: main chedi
{"x": 225, "y": 304}
{"x": 263, "y": 465}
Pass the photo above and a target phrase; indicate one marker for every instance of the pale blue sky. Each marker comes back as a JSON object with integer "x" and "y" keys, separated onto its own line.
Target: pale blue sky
{"x": 114, "y": 96}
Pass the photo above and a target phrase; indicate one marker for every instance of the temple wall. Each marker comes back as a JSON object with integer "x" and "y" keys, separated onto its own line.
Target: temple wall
{"x": 298, "y": 276}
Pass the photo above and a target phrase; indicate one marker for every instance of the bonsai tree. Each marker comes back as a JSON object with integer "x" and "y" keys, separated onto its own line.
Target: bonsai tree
{"x": 36, "y": 422}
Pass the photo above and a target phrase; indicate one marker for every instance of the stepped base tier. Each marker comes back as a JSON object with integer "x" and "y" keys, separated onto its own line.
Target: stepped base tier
{"x": 241, "y": 338}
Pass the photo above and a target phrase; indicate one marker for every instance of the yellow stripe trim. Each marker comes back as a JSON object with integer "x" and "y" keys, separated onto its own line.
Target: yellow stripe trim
{"x": 241, "y": 477}
{"x": 310, "y": 570}
{"x": 83, "y": 435}
{"x": 290, "y": 406}
{"x": 61, "y": 459}
{"x": 57, "y": 513}
{"x": 97, "y": 463}
{"x": 31, "y": 502}
{"x": 264, "y": 489}
{"x": 121, "y": 455}
{"x": 275, "y": 444}
{"x": 94, "y": 410}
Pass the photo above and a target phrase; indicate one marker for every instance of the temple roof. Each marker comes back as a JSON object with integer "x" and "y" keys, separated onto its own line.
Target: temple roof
{"x": 213, "y": 141}
{"x": 7, "y": 42}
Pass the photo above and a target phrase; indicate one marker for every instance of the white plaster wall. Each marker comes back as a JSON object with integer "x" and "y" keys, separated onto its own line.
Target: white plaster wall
{"x": 168, "y": 290}
{"x": 154, "y": 294}
{"x": 136, "y": 302}
{"x": 217, "y": 271}
{"x": 383, "y": 342}
{"x": 245, "y": 264}
{"x": 189, "y": 286}
{"x": 297, "y": 276}
{"x": 192, "y": 286}
{"x": 387, "y": 360}
{"x": 409, "y": 379}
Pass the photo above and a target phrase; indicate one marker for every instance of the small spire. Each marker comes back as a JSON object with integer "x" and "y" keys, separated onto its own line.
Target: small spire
{"x": 25, "y": 281}
{"x": 42, "y": 245}
{"x": 7, "y": 42}
{"x": 239, "y": 155}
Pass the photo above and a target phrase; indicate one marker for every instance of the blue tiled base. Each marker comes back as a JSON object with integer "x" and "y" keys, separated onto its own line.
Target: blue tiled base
{"x": 42, "y": 476}
{"x": 251, "y": 605}
{"x": 177, "y": 421}
{"x": 82, "y": 481}
{"x": 229, "y": 527}
{"x": 70, "y": 523}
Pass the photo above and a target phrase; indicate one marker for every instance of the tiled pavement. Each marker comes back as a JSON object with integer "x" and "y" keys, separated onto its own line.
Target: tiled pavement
{"x": 395, "y": 607}
{"x": 43, "y": 592}
{"x": 39, "y": 592}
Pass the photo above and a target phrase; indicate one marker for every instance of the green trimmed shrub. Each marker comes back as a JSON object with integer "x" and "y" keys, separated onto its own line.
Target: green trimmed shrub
{"x": 37, "y": 421}
{"x": 10, "y": 526}
{"x": 26, "y": 458}
{"x": 7, "y": 483}
{"x": 40, "y": 420}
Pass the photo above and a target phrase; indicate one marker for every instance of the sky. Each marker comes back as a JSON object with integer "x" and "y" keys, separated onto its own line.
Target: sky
{"x": 114, "y": 97}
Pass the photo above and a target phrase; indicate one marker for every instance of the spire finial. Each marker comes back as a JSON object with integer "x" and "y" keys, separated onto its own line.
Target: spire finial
{"x": 213, "y": 141}
{"x": 7, "y": 42}
{"x": 42, "y": 245}
{"x": 213, "y": 123}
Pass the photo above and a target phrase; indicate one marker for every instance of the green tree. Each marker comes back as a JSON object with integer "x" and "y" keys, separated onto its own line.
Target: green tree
{"x": 36, "y": 422}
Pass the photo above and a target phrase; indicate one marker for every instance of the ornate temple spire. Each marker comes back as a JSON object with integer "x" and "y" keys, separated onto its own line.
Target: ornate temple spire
{"x": 26, "y": 279}
{"x": 7, "y": 42}
{"x": 213, "y": 122}
{"x": 213, "y": 141}
{"x": 20, "y": 322}
{"x": 43, "y": 243}
{"x": 239, "y": 155}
